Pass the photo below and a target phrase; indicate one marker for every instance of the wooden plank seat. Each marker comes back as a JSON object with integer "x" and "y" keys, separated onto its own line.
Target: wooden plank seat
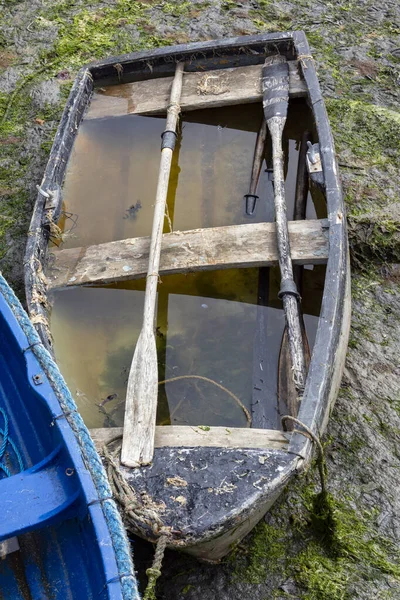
{"x": 249, "y": 245}
{"x": 207, "y": 89}
{"x": 175, "y": 436}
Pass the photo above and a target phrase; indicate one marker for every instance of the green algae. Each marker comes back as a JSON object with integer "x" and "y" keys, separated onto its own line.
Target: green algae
{"x": 367, "y": 137}
{"x": 98, "y": 32}
{"x": 329, "y": 547}
{"x": 265, "y": 552}
{"x": 370, "y": 132}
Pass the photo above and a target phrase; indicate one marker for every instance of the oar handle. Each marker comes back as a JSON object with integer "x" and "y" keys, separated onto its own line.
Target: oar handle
{"x": 168, "y": 140}
{"x": 275, "y": 87}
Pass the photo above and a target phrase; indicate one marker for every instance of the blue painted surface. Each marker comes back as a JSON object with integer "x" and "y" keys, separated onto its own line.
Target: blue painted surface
{"x": 66, "y": 539}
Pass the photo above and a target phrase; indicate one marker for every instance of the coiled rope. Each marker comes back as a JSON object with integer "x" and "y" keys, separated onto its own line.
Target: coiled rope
{"x": 135, "y": 510}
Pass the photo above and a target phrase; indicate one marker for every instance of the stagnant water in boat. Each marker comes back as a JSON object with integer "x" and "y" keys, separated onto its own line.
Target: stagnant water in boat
{"x": 208, "y": 323}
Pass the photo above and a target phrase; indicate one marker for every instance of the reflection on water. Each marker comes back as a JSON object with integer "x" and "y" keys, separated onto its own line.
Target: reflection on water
{"x": 112, "y": 174}
{"x": 208, "y": 324}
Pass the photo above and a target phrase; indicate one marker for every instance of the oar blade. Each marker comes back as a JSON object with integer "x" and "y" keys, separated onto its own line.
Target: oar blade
{"x": 140, "y": 410}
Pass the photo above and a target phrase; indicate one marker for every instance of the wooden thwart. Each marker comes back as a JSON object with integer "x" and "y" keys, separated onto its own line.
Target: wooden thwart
{"x": 209, "y": 89}
{"x": 175, "y": 436}
{"x": 249, "y": 245}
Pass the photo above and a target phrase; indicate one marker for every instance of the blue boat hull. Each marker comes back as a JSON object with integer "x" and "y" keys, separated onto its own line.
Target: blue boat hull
{"x": 60, "y": 533}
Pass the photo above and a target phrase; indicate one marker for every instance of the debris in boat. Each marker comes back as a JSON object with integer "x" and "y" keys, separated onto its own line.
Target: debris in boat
{"x": 131, "y": 212}
{"x": 211, "y": 84}
{"x": 176, "y": 481}
{"x": 223, "y": 488}
{"x": 108, "y": 399}
{"x": 180, "y": 499}
{"x": 203, "y": 427}
{"x": 255, "y": 484}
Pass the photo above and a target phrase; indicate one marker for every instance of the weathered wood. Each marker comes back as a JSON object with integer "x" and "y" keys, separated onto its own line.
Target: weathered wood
{"x": 142, "y": 390}
{"x": 249, "y": 245}
{"x": 251, "y": 197}
{"x": 209, "y": 89}
{"x": 175, "y": 436}
{"x": 287, "y": 393}
{"x": 275, "y": 84}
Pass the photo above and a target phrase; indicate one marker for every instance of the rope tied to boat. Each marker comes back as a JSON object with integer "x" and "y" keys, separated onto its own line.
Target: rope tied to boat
{"x": 8, "y": 441}
{"x": 137, "y": 511}
{"x": 218, "y": 385}
{"x": 154, "y": 572}
{"x": 303, "y": 57}
{"x": 308, "y": 433}
{"x": 201, "y": 378}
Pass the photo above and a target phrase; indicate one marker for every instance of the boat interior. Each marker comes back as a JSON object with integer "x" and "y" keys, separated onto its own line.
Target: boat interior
{"x": 220, "y": 325}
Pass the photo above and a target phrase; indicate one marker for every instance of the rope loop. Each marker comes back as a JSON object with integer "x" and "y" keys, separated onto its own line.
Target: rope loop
{"x": 41, "y": 191}
{"x": 218, "y": 385}
{"x": 308, "y": 433}
{"x": 303, "y": 57}
{"x": 153, "y": 573}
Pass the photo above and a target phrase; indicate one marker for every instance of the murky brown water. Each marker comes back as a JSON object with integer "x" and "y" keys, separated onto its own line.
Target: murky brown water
{"x": 207, "y": 323}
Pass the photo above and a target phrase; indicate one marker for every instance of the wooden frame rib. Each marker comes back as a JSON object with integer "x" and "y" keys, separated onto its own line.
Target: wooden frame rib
{"x": 204, "y": 89}
{"x": 186, "y": 436}
{"x": 249, "y": 245}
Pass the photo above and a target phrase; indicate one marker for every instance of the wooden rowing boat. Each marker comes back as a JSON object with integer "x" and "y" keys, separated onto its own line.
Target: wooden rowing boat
{"x": 208, "y": 485}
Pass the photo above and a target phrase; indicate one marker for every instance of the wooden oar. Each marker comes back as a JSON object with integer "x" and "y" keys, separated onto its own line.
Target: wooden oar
{"x": 287, "y": 394}
{"x": 251, "y": 197}
{"x": 275, "y": 85}
{"x": 141, "y": 396}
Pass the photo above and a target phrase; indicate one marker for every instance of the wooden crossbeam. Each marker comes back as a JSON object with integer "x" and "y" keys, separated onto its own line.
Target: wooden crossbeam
{"x": 175, "y": 436}
{"x": 203, "y": 89}
{"x": 234, "y": 246}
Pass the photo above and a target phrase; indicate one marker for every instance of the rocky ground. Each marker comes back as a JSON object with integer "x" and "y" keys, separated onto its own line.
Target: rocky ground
{"x": 347, "y": 548}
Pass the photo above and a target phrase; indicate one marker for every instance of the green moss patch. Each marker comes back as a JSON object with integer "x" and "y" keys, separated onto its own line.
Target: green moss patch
{"x": 329, "y": 548}
{"x": 371, "y": 133}
{"x": 374, "y": 239}
{"x": 264, "y": 553}
{"x": 95, "y": 33}
{"x": 367, "y": 141}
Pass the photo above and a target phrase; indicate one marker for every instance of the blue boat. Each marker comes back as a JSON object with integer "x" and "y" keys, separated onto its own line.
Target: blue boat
{"x": 61, "y": 536}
